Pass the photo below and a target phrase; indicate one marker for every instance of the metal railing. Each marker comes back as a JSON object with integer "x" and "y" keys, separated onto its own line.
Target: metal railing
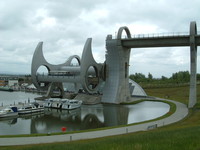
{"x": 157, "y": 35}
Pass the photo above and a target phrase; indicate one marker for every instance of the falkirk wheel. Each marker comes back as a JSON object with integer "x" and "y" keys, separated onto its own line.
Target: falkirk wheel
{"x": 113, "y": 73}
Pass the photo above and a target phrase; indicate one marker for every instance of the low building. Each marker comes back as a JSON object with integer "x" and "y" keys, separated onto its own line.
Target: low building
{"x": 13, "y": 83}
{"x": 2, "y": 83}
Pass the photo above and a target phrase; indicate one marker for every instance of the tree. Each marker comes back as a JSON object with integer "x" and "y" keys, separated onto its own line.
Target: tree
{"x": 181, "y": 76}
{"x": 150, "y": 76}
{"x": 178, "y": 77}
{"x": 164, "y": 78}
{"x": 198, "y": 76}
{"x": 138, "y": 77}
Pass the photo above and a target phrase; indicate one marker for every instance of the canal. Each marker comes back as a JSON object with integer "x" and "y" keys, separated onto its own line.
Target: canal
{"x": 86, "y": 117}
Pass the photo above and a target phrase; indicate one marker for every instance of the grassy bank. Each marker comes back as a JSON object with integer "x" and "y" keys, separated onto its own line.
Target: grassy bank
{"x": 184, "y": 135}
{"x": 183, "y": 138}
{"x": 180, "y": 94}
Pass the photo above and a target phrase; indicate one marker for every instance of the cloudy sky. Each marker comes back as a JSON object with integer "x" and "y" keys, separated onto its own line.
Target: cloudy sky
{"x": 65, "y": 25}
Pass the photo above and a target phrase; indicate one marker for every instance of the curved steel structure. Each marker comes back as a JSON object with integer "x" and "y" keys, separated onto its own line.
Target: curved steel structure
{"x": 39, "y": 60}
{"x": 88, "y": 73}
{"x": 115, "y": 70}
{"x": 90, "y": 82}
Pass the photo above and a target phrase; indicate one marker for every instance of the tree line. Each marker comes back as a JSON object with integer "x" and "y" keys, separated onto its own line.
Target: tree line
{"x": 178, "y": 77}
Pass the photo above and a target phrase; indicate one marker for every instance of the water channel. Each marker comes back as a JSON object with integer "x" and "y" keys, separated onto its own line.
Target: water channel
{"x": 87, "y": 117}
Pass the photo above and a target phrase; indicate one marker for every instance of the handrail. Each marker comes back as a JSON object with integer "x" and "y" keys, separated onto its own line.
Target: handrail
{"x": 156, "y": 35}
{"x": 164, "y": 34}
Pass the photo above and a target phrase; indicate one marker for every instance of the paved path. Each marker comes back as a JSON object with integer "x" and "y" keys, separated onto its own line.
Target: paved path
{"x": 180, "y": 113}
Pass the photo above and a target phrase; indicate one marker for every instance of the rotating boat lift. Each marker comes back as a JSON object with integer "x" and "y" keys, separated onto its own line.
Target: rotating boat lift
{"x": 115, "y": 70}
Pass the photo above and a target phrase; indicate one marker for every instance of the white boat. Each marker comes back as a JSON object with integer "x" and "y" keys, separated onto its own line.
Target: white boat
{"x": 48, "y": 103}
{"x": 62, "y": 103}
{"x": 58, "y": 103}
{"x": 10, "y": 111}
{"x": 52, "y": 103}
{"x": 71, "y": 104}
{"x": 31, "y": 108}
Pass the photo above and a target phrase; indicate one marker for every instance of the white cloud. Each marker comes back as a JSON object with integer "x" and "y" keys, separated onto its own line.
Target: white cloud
{"x": 64, "y": 26}
{"x": 42, "y": 20}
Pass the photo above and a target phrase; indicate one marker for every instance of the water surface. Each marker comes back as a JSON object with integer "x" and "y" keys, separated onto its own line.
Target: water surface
{"x": 87, "y": 117}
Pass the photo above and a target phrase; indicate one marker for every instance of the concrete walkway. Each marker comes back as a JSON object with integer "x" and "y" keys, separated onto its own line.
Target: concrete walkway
{"x": 180, "y": 113}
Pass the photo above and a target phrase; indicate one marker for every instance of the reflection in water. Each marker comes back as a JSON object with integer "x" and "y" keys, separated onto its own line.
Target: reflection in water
{"x": 91, "y": 121}
{"x": 9, "y": 121}
{"x": 115, "y": 115}
{"x": 87, "y": 117}
{"x": 146, "y": 110}
{"x": 54, "y": 119}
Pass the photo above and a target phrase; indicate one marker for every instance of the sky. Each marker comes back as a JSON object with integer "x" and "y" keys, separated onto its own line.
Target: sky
{"x": 64, "y": 27}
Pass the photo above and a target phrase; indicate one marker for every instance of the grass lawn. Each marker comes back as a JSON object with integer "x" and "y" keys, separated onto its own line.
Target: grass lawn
{"x": 180, "y": 94}
{"x": 184, "y": 135}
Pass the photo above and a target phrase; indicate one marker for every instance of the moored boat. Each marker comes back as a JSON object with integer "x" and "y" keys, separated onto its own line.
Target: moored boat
{"x": 58, "y": 103}
{"x": 31, "y": 108}
{"x": 10, "y": 111}
{"x": 63, "y": 103}
{"x": 52, "y": 103}
{"x": 48, "y": 103}
{"x": 5, "y": 88}
{"x": 71, "y": 104}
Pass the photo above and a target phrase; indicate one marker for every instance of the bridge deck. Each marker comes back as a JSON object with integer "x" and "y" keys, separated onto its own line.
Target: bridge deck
{"x": 164, "y": 41}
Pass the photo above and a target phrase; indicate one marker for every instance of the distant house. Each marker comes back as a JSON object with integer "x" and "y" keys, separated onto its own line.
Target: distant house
{"x": 3, "y": 83}
{"x": 13, "y": 83}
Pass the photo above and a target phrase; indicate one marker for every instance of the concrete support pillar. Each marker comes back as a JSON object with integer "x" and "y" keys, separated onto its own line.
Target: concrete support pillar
{"x": 116, "y": 89}
{"x": 193, "y": 66}
{"x": 54, "y": 85}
